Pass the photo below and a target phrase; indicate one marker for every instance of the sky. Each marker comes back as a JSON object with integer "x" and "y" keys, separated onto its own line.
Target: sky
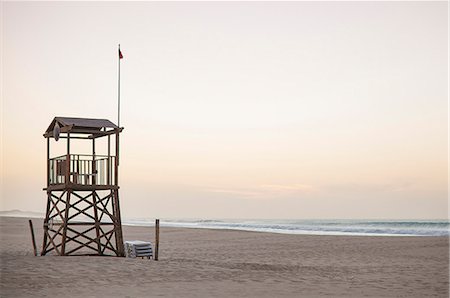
{"x": 237, "y": 109}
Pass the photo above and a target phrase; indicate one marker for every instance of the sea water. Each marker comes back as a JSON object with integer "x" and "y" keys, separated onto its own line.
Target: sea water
{"x": 304, "y": 227}
{"x": 314, "y": 227}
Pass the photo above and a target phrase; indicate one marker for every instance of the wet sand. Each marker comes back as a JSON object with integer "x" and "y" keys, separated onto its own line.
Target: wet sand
{"x": 225, "y": 263}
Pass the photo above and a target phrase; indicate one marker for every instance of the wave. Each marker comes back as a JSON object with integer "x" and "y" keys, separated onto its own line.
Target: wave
{"x": 304, "y": 227}
{"x": 20, "y": 213}
{"x": 318, "y": 227}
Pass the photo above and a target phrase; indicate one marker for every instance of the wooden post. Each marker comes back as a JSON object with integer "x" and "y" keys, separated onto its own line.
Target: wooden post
{"x": 156, "y": 239}
{"x": 32, "y": 237}
{"x": 97, "y": 223}
{"x": 65, "y": 223}
{"x": 47, "y": 214}
{"x": 48, "y": 163}
{"x": 108, "y": 166}
{"x": 116, "y": 165}
{"x": 118, "y": 224}
{"x": 68, "y": 161}
{"x": 94, "y": 165}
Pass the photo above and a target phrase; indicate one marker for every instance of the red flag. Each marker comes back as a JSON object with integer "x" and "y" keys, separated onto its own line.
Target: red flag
{"x": 120, "y": 55}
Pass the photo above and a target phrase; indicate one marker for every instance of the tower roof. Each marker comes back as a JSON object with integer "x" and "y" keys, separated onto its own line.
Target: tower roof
{"x": 80, "y": 125}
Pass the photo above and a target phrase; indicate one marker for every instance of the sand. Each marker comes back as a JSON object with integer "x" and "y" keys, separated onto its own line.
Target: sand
{"x": 224, "y": 263}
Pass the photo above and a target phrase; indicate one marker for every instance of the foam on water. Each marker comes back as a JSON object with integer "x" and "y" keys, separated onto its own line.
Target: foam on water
{"x": 316, "y": 227}
{"x": 305, "y": 227}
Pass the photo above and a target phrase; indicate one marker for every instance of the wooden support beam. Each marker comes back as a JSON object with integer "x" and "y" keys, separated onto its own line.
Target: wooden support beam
{"x": 118, "y": 224}
{"x": 116, "y": 166}
{"x": 105, "y": 133}
{"x": 82, "y": 234}
{"x": 87, "y": 224}
{"x": 55, "y": 206}
{"x": 80, "y": 187}
{"x": 93, "y": 133}
{"x": 65, "y": 220}
{"x": 63, "y": 129}
{"x": 48, "y": 162}
{"x": 76, "y": 137}
{"x": 32, "y": 237}
{"x": 67, "y": 180}
{"x": 108, "y": 242}
{"x": 47, "y": 215}
{"x": 156, "y": 240}
{"x": 97, "y": 222}
{"x": 53, "y": 243}
{"x": 94, "y": 166}
{"x": 108, "y": 166}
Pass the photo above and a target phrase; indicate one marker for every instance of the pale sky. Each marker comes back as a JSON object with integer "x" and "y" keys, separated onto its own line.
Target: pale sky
{"x": 238, "y": 109}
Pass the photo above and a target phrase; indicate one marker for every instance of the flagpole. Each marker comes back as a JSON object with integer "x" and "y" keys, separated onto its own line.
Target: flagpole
{"x": 118, "y": 94}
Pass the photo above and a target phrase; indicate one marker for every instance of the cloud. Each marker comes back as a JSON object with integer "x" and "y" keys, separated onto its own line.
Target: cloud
{"x": 371, "y": 187}
{"x": 239, "y": 192}
{"x": 291, "y": 187}
{"x": 266, "y": 191}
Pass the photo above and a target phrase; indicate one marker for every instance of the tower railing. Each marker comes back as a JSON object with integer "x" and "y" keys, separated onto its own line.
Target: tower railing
{"x": 82, "y": 169}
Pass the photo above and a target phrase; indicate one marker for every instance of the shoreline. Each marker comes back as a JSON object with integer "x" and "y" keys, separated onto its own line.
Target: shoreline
{"x": 359, "y": 228}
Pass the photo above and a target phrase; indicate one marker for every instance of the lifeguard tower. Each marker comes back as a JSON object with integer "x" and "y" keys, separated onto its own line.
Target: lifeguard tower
{"x": 83, "y": 212}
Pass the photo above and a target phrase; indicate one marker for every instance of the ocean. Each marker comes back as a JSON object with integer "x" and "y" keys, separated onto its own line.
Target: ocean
{"x": 301, "y": 227}
{"x": 314, "y": 227}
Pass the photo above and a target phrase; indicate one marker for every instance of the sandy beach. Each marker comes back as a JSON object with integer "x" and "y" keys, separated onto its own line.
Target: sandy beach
{"x": 225, "y": 263}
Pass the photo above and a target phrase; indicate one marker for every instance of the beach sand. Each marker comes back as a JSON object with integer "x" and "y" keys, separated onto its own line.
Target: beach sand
{"x": 224, "y": 263}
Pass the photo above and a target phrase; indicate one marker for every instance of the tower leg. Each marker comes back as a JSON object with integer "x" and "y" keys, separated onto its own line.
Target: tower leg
{"x": 65, "y": 223}
{"x": 47, "y": 215}
{"x": 97, "y": 222}
{"x": 118, "y": 225}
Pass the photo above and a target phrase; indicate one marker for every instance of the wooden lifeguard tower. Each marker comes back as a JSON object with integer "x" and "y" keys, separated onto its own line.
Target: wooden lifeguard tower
{"x": 83, "y": 212}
